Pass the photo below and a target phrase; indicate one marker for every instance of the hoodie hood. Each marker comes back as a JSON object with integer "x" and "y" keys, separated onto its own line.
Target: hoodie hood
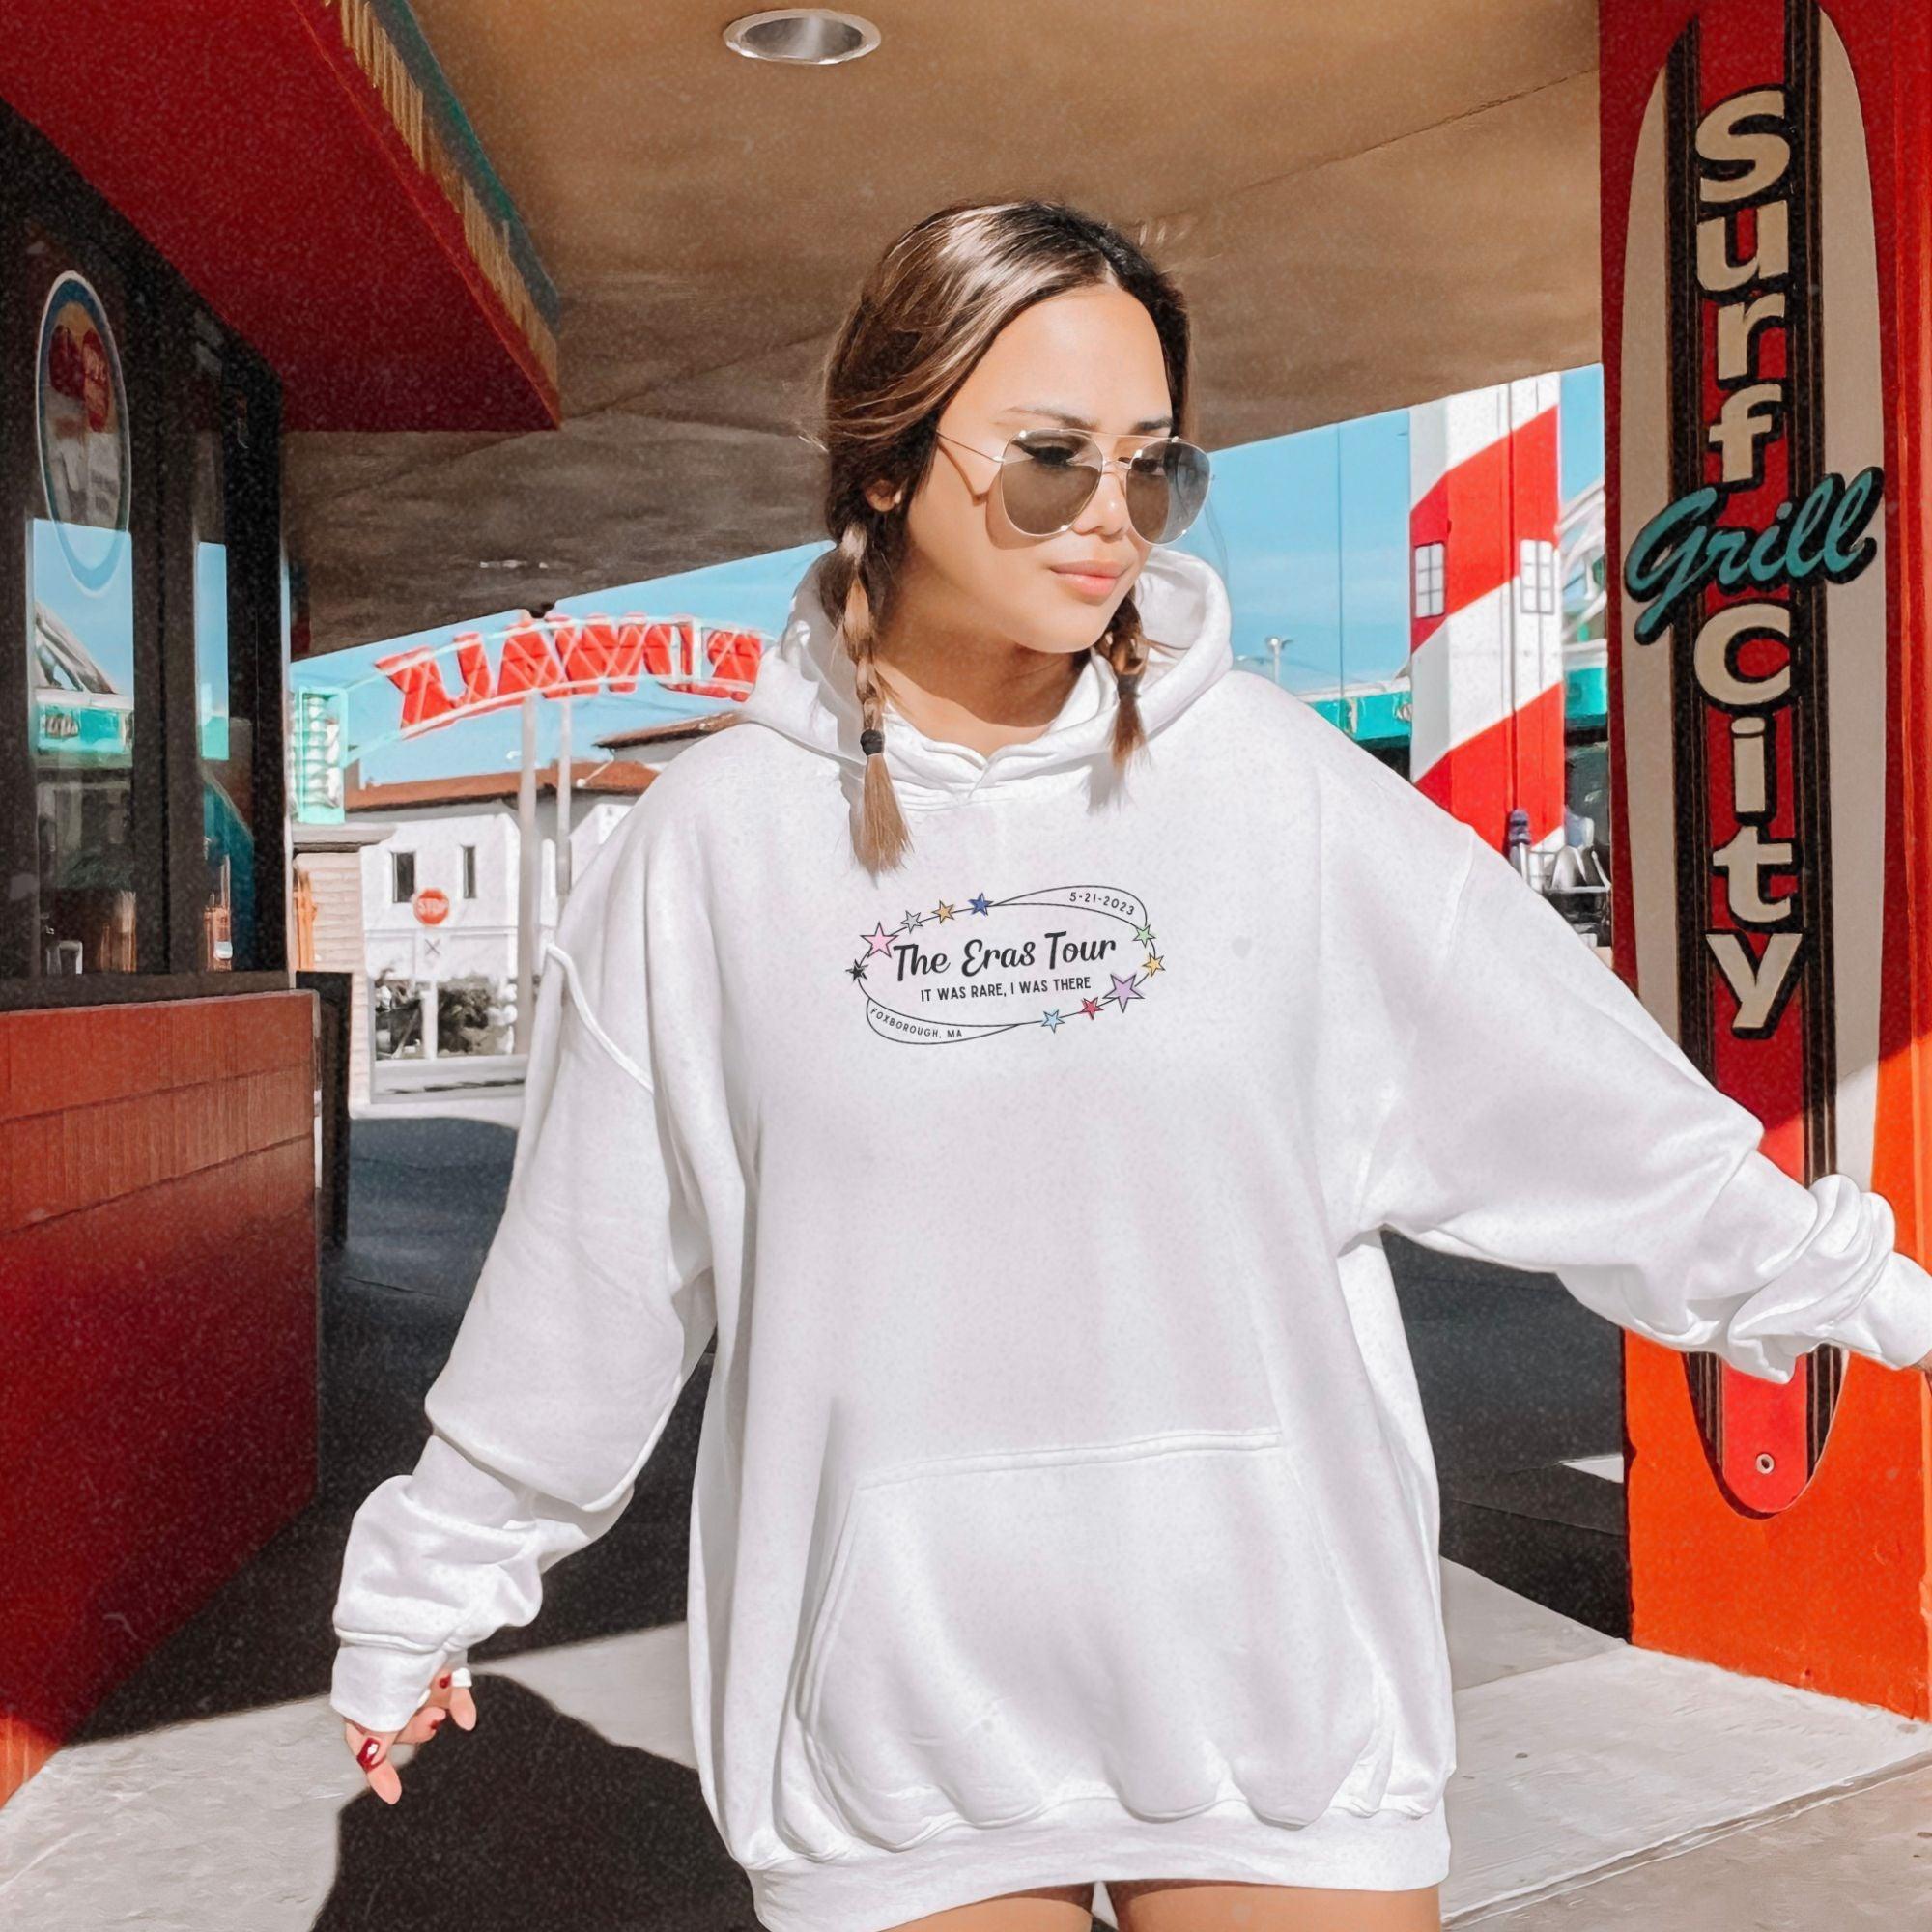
{"x": 805, "y": 689}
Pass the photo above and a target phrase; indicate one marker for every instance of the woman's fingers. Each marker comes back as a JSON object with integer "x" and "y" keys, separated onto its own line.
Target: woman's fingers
{"x": 448, "y": 1697}
{"x": 422, "y": 1725}
{"x": 372, "y": 1753}
{"x": 385, "y": 1781}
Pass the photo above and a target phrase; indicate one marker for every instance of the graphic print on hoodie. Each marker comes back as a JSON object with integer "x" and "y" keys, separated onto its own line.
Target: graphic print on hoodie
{"x": 1049, "y": 955}
{"x": 1062, "y": 1503}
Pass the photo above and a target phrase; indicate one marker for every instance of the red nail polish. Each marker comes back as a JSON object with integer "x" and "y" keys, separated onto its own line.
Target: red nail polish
{"x": 370, "y": 1752}
{"x": 442, "y": 1682}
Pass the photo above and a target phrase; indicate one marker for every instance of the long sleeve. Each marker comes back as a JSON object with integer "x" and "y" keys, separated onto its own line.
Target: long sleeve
{"x": 1542, "y": 1119}
{"x": 592, "y": 1308}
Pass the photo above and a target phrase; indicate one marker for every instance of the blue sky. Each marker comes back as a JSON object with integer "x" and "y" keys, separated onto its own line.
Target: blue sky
{"x": 1311, "y": 532}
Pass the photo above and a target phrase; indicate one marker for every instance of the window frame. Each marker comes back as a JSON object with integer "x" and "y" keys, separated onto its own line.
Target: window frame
{"x": 159, "y": 315}
{"x": 1428, "y": 577}
{"x": 1538, "y": 593}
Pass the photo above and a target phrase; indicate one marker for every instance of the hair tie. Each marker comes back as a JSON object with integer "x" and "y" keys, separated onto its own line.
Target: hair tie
{"x": 1129, "y": 682}
{"x": 871, "y": 742}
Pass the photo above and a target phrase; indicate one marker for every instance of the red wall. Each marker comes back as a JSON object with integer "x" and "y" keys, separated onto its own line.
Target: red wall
{"x": 1832, "y": 1591}
{"x": 158, "y": 1330}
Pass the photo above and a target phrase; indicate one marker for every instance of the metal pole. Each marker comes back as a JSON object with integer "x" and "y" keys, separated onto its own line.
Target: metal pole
{"x": 563, "y": 775}
{"x": 529, "y": 856}
{"x": 1340, "y": 590}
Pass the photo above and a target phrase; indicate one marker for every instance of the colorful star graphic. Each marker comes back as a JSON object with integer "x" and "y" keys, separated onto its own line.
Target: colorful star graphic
{"x": 878, "y": 939}
{"x": 1050, "y": 1021}
{"x": 913, "y": 920}
{"x": 1144, "y": 934}
{"x": 857, "y": 970}
{"x": 942, "y": 911}
{"x": 1125, "y": 990}
{"x": 979, "y": 902}
{"x": 1091, "y": 1008}
{"x": 1154, "y": 963}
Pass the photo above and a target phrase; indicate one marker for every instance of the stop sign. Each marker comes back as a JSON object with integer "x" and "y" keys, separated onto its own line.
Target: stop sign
{"x": 432, "y": 906}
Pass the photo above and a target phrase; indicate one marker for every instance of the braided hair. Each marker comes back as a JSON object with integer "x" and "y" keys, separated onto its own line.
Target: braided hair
{"x": 927, "y": 314}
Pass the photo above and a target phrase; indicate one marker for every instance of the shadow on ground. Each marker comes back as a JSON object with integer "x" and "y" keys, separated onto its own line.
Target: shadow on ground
{"x": 425, "y": 1198}
{"x": 536, "y": 1823}
{"x": 1518, "y": 1377}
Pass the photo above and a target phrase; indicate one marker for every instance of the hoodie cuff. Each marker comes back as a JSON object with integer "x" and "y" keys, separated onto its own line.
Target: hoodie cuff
{"x": 381, "y": 1687}
{"x": 1894, "y": 1323}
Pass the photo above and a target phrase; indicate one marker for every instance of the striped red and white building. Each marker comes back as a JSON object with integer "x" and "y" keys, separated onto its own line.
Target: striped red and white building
{"x": 1486, "y": 623}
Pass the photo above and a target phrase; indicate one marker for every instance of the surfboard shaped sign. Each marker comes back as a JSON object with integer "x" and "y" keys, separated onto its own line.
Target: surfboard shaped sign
{"x": 1753, "y": 627}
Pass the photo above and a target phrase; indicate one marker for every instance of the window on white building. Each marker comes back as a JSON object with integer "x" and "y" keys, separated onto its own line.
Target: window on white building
{"x": 470, "y": 872}
{"x": 1428, "y": 579}
{"x": 401, "y": 877}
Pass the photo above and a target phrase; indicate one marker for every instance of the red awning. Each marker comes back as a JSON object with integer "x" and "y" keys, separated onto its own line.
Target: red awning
{"x": 303, "y": 164}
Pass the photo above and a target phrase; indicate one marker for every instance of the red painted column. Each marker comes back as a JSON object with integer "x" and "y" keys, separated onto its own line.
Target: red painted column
{"x": 1767, "y": 244}
{"x": 1486, "y": 643}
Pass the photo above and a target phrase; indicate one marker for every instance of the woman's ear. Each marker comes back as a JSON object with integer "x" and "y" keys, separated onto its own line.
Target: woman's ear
{"x": 883, "y": 496}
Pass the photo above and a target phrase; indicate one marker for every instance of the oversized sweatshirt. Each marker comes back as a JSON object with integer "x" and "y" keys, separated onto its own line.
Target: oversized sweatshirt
{"x": 1064, "y": 1508}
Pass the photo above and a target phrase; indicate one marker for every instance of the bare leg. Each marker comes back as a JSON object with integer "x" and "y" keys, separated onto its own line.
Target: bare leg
{"x": 1042, "y": 1907}
{"x": 1208, "y": 1905}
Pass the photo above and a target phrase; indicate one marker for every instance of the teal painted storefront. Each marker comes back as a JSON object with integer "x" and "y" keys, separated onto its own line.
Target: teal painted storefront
{"x": 1380, "y": 718}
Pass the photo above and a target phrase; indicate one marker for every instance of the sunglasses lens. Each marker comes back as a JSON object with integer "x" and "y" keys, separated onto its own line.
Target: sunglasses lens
{"x": 1047, "y": 481}
{"x": 1166, "y": 488}
{"x": 1048, "y": 478}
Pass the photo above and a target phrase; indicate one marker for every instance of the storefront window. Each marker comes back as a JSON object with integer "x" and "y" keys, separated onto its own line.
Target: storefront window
{"x": 223, "y": 704}
{"x": 141, "y": 756}
{"x": 80, "y": 628}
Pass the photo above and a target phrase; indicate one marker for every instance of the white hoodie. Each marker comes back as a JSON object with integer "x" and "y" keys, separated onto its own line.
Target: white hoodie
{"x": 1064, "y": 1507}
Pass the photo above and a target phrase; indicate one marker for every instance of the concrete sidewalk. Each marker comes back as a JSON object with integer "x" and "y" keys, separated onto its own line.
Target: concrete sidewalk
{"x": 1597, "y": 1786}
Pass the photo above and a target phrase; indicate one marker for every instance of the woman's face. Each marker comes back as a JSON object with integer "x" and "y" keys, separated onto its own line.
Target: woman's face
{"x": 1092, "y": 359}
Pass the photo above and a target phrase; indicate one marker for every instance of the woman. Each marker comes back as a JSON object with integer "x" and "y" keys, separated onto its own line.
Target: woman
{"x": 1010, "y": 1039}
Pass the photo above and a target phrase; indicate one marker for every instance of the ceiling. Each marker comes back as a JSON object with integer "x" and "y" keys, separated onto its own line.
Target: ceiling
{"x": 1366, "y": 205}
{"x": 399, "y": 322}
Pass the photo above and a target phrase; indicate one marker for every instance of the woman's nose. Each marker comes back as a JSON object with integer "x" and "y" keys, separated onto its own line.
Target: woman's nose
{"x": 1107, "y": 508}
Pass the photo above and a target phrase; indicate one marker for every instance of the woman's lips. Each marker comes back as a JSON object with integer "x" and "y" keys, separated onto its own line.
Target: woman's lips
{"x": 1090, "y": 583}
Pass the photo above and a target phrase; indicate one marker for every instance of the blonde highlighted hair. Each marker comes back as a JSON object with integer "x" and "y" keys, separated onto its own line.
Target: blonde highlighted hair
{"x": 924, "y": 316}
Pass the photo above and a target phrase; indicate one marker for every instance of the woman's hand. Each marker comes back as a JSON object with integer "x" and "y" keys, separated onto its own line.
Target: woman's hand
{"x": 448, "y": 1697}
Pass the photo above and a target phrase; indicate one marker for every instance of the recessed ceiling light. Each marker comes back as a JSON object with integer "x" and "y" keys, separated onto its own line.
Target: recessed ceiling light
{"x": 805, "y": 36}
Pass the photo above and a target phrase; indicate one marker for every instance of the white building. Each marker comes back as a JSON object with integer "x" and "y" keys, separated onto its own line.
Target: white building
{"x": 456, "y": 837}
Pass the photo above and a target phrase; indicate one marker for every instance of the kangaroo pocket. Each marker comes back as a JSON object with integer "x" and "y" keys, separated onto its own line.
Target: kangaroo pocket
{"x": 1158, "y": 1621}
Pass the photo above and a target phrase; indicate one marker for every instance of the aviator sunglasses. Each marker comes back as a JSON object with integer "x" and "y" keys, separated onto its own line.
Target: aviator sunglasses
{"x": 1047, "y": 476}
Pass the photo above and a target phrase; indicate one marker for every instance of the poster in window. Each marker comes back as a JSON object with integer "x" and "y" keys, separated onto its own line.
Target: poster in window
{"x": 81, "y": 418}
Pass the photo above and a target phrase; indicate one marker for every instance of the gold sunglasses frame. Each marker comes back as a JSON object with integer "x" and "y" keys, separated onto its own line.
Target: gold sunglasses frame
{"x": 1105, "y": 464}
